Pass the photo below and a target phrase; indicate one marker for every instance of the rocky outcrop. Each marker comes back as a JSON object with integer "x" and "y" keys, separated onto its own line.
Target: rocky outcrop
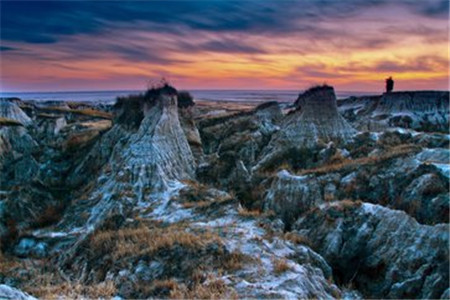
{"x": 418, "y": 110}
{"x": 289, "y": 196}
{"x": 314, "y": 123}
{"x": 11, "y": 111}
{"x": 387, "y": 169}
{"x": 382, "y": 252}
{"x": 10, "y": 293}
{"x": 139, "y": 166}
{"x": 236, "y": 141}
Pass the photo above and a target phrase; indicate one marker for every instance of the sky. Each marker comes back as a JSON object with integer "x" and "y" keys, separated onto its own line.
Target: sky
{"x": 224, "y": 44}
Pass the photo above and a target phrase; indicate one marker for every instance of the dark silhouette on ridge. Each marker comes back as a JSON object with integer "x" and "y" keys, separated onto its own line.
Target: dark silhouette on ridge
{"x": 389, "y": 84}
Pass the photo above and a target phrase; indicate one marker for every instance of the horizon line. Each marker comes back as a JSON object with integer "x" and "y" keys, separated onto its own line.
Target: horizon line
{"x": 138, "y": 90}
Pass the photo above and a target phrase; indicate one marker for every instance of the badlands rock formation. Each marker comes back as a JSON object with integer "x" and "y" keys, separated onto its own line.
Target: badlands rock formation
{"x": 314, "y": 122}
{"x": 149, "y": 198}
{"x": 384, "y": 253}
{"x": 419, "y": 110}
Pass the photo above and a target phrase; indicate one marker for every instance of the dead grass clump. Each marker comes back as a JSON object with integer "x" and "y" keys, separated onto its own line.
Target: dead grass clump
{"x": 77, "y": 290}
{"x": 197, "y": 195}
{"x": 157, "y": 288}
{"x": 41, "y": 279}
{"x": 147, "y": 241}
{"x": 297, "y": 239}
{"x": 244, "y": 212}
{"x": 206, "y": 203}
{"x": 85, "y": 111}
{"x": 350, "y": 204}
{"x": 235, "y": 261}
{"x": 280, "y": 266}
{"x": 211, "y": 289}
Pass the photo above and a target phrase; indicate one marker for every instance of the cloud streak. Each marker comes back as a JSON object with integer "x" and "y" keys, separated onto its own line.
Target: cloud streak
{"x": 259, "y": 42}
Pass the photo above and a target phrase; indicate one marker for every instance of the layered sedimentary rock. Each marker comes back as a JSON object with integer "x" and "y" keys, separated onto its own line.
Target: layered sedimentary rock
{"x": 387, "y": 169}
{"x": 315, "y": 122}
{"x": 419, "y": 110}
{"x": 289, "y": 196}
{"x": 234, "y": 142}
{"x": 143, "y": 157}
{"x": 384, "y": 253}
{"x": 11, "y": 111}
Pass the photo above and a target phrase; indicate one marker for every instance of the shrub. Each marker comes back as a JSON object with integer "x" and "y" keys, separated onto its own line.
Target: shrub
{"x": 129, "y": 109}
{"x": 185, "y": 99}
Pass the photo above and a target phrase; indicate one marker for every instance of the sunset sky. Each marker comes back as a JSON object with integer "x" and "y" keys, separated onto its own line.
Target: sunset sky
{"x": 352, "y": 45}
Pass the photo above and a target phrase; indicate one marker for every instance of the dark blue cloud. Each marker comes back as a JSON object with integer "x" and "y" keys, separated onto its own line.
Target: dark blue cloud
{"x": 6, "y": 48}
{"x": 432, "y": 8}
{"x": 48, "y": 21}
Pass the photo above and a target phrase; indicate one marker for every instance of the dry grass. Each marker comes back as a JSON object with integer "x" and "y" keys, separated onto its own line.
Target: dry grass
{"x": 48, "y": 116}
{"x": 211, "y": 289}
{"x": 67, "y": 290}
{"x": 254, "y": 213}
{"x": 147, "y": 241}
{"x": 347, "y": 204}
{"x": 84, "y": 111}
{"x": 244, "y": 212}
{"x": 205, "y": 203}
{"x": 101, "y": 125}
{"x": 297, "y": 239}
{"x": 235, "y": 261}
{"x": 9, "y": 122}
{"x": 391, "y": 153}
{"x": 40, "y": 279}
{"x": 198, "y": 195}
{"x": 280, "y": 266}
{"x": 80, "y": 139}
{"x": 7, "y": 263}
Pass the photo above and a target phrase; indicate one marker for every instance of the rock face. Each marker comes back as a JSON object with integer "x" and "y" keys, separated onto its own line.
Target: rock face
{"x": 10, "y": 293}
{"x": 315, "y": 122}
{"x": 290, "y": 196}
{"x": 396, "y": 173}
{"x": 10, "y": 110}
{"x": 139, "y": 164}
{"x": 384, "y": 253}
{"x": 419, "y": 110}
{"x": 234, "y": 142}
